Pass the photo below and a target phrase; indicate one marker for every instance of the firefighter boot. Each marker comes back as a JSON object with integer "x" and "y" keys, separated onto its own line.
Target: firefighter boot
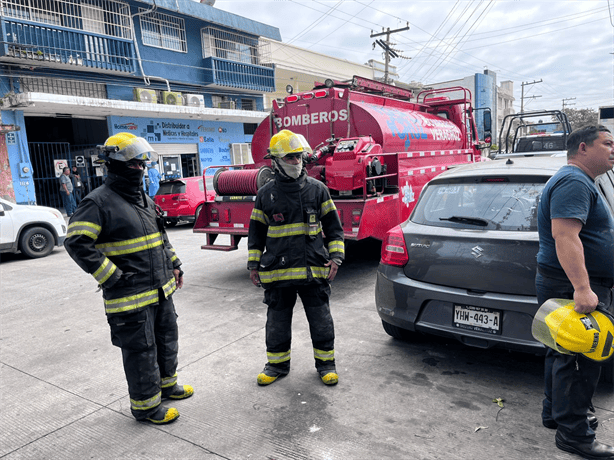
{"x": 329, "y": 377}
{"x": 178, "y": 392}
{"x": 163, "y": 416}
{"x": 269, "y": 375}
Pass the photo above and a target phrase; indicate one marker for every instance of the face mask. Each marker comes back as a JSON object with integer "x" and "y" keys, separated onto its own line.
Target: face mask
{"x": 292, "y": 171}
{"x": 134, "y": 176}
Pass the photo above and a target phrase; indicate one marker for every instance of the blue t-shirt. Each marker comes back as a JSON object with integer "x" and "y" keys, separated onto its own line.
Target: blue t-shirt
{"x": 572, "y": 194}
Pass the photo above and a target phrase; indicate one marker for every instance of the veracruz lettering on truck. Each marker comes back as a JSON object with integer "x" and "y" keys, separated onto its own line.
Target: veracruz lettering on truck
{"x": 311, "y": 118}
{"x": 411, "y": 125}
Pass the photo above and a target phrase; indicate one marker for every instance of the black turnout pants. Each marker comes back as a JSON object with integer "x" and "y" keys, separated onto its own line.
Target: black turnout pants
{"x": 149, "y": 341}
{"x": 281, "y": 303}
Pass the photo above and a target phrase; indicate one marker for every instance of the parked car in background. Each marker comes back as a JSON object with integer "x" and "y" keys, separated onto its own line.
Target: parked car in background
{"x": 463, "y": 265}
{"x": 181, "y": 199}
{"x": 33, "y": 230}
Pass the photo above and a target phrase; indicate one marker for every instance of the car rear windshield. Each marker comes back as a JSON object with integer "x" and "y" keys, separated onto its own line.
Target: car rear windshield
{"x": 540, "y": 144}
{"x": 171, "y": 188}
{"x": 484, "y": 203}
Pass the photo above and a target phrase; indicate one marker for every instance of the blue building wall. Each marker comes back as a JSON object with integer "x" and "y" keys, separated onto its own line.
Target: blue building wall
{"x": 19, "y": 158}
{"x": 213, "y": 137}
{"x": 187, "y": 72}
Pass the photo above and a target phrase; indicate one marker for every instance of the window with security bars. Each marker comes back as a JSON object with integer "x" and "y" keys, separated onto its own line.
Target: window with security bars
{"x": 163, "y": 31}
{"x": 105, "y": 17}
{"x": 64, "y": 87}
{"x": 235, "y": 47}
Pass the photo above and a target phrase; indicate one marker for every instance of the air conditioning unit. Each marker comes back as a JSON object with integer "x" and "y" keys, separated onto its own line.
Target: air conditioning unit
{"x": 226, "y": 105}
{"x": 145, "y": 95}
{"x": 172, "y": 98}
{"x": 194, "y": 100}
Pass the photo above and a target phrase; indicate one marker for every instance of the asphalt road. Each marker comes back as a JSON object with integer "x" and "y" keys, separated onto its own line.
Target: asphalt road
{"x": 63, "y": 394}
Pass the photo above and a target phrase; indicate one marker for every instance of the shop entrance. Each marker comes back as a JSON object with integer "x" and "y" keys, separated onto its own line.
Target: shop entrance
{"x": 53, "y": 142}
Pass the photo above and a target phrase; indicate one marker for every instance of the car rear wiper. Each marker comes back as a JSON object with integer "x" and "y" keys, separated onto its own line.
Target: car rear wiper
{"x": 468, "y": 220}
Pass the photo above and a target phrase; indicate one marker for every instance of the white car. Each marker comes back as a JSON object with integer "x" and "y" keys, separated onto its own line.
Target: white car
{"x": 33, "y": 230}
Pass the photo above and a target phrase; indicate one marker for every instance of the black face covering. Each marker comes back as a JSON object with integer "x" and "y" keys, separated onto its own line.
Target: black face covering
{"x": 134, "y": 176}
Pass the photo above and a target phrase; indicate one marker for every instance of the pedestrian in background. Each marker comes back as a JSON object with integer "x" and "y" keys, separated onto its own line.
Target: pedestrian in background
{"x": 77, "y": 185}
{"x": 576, "y": 261}
{"x": 154, "y": 179}
{"x": 66, "y": 190}
{"x": 118, "y": 237}
{"x": 293, "y": 222}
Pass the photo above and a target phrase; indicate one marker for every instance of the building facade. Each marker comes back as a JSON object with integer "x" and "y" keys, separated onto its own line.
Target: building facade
{"x": 188, "y": 77}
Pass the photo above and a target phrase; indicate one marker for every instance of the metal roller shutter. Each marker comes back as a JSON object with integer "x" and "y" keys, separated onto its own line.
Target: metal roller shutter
{"x": 175, "y": 149}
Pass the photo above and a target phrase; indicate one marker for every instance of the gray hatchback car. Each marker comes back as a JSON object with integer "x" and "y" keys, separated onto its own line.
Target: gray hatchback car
{"x": 463, "y": 265}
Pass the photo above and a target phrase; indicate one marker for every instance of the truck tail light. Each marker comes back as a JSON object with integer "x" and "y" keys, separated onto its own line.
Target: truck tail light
{"x": 356, "y": 213}
{"x": 215, "y": 215}
{"x": 394, "y": 251}
{"x": 321, "y": 93}
{"x": 226, "y": 215}
{"x": 308, "y": 96}
{"x": 292, "y": 98}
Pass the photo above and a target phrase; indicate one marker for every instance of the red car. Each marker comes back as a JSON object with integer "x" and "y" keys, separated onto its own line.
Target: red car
{"x": 181, "y": 199}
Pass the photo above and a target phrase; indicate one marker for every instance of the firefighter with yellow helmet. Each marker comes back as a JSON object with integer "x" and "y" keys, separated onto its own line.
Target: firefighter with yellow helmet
{"x": 117, "y": 236}
{"x": 295, "y": 248}
{"x": 576, "y": 261}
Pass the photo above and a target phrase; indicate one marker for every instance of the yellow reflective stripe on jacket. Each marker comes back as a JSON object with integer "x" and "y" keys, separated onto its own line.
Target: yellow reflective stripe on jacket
{"x": 254, "y": 255}
{"x": 281, "y": 357}
{"x": 147, "y": 403}
{"x": 324, "y": 355}
{"x": 168, "y": 381}
{"x": 107, "y": 268}
{"x": 131, "y": 302}
{"x": 336, "y": 246}
{"x": 281, "y": 231}
{"x": 131, "y": 246}
{"x": 285, "y": 274}
{"x": 259, "y": 216}
{"x": 170, "y": 287}
{"x": 320, "y": 272}
{"x": 327, "y": 207}
{"x": 84, "y": 228}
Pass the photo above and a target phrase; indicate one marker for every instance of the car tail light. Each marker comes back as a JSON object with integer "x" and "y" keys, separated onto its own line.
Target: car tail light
{"x": 215, "y": 216}
{"x": 394, "y": 251}
{"x": 356, "y": 213}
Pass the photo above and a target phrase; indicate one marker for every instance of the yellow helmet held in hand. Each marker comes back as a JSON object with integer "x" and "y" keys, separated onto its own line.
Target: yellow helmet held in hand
{"x": 126, "y": 147}
{"x": 286, "y": 142}
{"x": 558, "y": 326}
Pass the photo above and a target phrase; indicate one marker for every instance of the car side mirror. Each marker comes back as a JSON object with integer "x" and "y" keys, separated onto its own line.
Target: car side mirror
{"x": 1, "y": 209}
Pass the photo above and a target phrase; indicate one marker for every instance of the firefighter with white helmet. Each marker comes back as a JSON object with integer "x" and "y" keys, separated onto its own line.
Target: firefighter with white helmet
{"x": 117, "y": 235}
{"x": 295, "y": 248}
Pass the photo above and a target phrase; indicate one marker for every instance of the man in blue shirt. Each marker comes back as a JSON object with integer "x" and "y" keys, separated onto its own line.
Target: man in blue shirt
{"x": 576, "y": 261}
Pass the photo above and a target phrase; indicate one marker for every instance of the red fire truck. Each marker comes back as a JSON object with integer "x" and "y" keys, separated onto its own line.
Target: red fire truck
{"x": 373, "y": 147}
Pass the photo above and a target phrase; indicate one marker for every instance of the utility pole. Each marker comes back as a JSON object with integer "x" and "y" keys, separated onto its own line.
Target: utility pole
{"x": 386, "y": 46}
{"x": 522, "y": 98}
{"x": 568, "y": 99}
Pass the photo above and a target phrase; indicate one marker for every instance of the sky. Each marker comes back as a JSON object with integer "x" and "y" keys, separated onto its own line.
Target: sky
{"x": 567, "y": 44}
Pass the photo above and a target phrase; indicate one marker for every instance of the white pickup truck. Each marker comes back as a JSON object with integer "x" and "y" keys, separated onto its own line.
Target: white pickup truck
{"x": 33, "y": 230}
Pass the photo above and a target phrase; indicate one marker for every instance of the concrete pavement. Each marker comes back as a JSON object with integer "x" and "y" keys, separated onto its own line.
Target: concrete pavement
{"x": 64, "y": 396}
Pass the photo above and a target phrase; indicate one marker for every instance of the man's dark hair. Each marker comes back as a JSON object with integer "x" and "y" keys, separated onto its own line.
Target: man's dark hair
{"x": 65, "y": 168}
{"x": 586, "y": 134}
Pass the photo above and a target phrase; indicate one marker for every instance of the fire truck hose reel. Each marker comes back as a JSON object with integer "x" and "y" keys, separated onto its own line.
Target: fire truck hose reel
{"x": 241, "y": 182}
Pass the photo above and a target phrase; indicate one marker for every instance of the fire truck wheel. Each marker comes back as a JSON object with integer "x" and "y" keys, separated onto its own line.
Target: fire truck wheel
{"x": 36, "y": 242}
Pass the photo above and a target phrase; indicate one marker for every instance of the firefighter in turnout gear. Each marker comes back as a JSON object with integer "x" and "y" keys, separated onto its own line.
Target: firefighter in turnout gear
{"x": 295, "y": 247}
{"x": 118, "y": 237}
